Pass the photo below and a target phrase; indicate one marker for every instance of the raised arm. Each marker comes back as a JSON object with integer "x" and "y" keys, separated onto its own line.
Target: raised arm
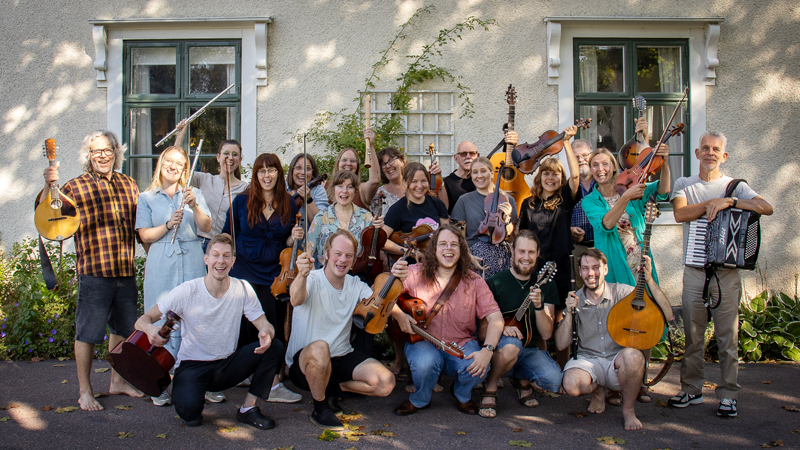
{"x": 574, "y": 176}
{"x": 297, "y": 291}
{"x": 370, "y": 187}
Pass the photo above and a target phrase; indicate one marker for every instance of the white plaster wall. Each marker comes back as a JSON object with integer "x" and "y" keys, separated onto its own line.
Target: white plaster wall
{"x": 321, "y": 51}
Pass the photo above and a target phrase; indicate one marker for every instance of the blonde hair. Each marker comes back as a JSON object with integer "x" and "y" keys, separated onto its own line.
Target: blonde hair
{"x": 550, "y": 164}
{"x": 604, "y": 151}
{"x": 156, "y": 183}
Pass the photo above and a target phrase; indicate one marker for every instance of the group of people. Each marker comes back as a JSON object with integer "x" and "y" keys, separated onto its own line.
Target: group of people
{"x": 218, "y": 272}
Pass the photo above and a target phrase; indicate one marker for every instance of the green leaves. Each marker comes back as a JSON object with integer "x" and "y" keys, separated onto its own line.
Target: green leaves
{"x": 770, "y": 328}
{"x": 328, "y": 436}
{"x": 519, "y": 443}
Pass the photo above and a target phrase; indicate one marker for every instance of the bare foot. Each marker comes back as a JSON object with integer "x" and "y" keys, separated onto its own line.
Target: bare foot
{"x": 124, "y": 388}
{"x": 537, "y": 388}
{"x": 410, "y": 388}
{"x": 631, "y": 422}
{"x": 598, "y": 404}
{"x": 88, "y": 402}
{"x": 438, "y": 388}
{"x": 396, "y": 368}
{"x": 488, "y": 407}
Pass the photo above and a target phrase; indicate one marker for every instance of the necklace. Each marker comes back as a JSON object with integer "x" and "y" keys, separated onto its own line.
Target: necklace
{"x": 521, "y": 285}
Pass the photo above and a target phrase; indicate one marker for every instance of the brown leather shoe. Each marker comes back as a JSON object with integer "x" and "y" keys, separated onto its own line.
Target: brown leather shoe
{"x": 468, "y": 408}
{"x": 407, "y": 408}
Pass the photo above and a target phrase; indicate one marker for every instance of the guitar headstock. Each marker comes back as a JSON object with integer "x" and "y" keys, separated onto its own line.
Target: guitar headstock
{"x": 640, "y": 103}
{"x": 547, "y": 273}
{"x": 651, "y": 211}
{"x": 583, "y": 123}
{"x": 511, "y": 95}
{"x": 49, "y": 149}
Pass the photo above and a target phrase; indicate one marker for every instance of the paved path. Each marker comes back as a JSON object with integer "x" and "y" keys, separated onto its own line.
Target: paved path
{"x": 37, "y": 385}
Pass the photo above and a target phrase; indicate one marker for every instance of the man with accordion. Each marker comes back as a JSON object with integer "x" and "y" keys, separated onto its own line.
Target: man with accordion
{"x": 697, "y": 201}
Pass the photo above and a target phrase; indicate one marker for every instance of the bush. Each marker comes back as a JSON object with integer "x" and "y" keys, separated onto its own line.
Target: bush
{"x": 37, "y": 322}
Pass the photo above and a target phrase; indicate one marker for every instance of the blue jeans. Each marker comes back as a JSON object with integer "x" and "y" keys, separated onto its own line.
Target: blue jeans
{"x": 428, "y": 361}
{"x": 533, "y": 365}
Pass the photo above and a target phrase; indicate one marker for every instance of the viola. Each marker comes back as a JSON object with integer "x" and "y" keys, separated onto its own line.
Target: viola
{"x": 513, "y": 181}
{"x": 436, "y": 180}
{"x": 288, "y": 258}
{"x": 493, "y": 228}
{"x": 416, "y": 309}
{"x": 630, "y": 150}
{"x": 298, "y": 200}
{"x": 371, "y": 314}
{"x": 637, "y": 321}
{"x": 57, "y": 217}
{"x": 550, "y": 143}
{"x": 372, "y": 239}
{"x": 420, "y": 235}
{"x": 648, "y": 163}
{"x": 143, "y": 365}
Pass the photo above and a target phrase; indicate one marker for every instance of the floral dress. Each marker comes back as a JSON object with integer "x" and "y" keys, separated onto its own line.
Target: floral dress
{"x": 326, "y": 223}
{"x": 633, "y": 251}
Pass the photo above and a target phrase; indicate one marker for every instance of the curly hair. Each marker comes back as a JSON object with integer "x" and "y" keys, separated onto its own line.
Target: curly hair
{"x": 430, "y": 263}
{"x": 256, "y": 202}
{"x": 119, "y": 149}
{"x": 552, "y": 202}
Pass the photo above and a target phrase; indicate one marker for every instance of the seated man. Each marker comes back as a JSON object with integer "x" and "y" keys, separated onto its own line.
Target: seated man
{"x": 211, "y": 308}
{"x": 319, "y": 355}
{"x": 602, "y": 363}
{"x": 445, "y": 257}
{"x": 528, "y": 364}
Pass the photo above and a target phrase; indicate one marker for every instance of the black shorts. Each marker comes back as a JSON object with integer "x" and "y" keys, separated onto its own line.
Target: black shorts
{"x": 342, "y": 368}
{"x": 105, "y": 301}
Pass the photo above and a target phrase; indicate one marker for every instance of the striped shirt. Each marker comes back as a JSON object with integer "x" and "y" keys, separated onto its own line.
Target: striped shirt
{"x": 105, "y": 240}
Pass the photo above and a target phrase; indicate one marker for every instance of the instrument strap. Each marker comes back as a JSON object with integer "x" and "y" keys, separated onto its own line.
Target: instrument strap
{"x": 50, "y": 279}
{"x": 502, "y": 144}
{"x": 443, "y": 297}
{"x": 667, "y": 364}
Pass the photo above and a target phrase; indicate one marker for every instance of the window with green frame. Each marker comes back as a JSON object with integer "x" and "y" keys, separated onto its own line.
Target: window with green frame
{"x": 167, "y": 81}
{"x": 609, "y": 73}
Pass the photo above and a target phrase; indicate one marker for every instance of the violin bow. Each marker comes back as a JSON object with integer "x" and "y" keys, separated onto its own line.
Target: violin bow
{"x": 666, "y": 130}
{"x": 230, "y": 205}
{"x": 305, "y": 196}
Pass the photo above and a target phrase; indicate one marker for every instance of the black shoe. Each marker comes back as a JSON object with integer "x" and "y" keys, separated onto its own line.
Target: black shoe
{"x": 327, "y": 420}
{"x": 333, "y": 402}
{"x": 255, "y": 419}
{"x": 192, "y": 423}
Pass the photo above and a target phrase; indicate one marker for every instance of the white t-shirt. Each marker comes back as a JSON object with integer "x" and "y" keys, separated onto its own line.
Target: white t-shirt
{"x": 326, "y": 315}
{"x": 210, "y": 326}
{"x": 695, "y": 190}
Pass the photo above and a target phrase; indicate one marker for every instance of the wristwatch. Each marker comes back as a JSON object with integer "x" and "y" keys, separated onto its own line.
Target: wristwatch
{"x": 735, "y": 201}
{"x": 489, "y": 347}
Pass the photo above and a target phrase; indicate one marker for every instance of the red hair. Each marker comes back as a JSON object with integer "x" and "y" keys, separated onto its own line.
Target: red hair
{"x": 280, "y": 200}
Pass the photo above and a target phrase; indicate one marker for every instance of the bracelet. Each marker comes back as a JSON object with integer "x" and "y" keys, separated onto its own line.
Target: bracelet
{"x": 539, "y": 308}
{"x": 166, "y": 225}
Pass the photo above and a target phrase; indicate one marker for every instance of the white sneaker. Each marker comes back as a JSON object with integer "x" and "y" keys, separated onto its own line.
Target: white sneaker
{"x": 281, "y": 394}
{"x": 215, "y": 397}
{"x": 162, "y": 400}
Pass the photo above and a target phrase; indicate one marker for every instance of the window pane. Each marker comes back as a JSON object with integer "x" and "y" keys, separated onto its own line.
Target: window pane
{"x": 153, "y": 70}
{"x": 601, "y": 68}
{"x": 148, "y": 126}
{"x": 214, "y": 126}
{"x": 608, "y": 126}
{"x": 211, "y": 69}
{"x": 659, "y": 69}
{"x": 657, "y": 117}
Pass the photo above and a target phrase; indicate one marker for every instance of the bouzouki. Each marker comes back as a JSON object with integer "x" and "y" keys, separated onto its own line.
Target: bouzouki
{"x": 57, "y": 217}
{"x": 143, "y": 365}
{"x": 371, "y": 313}
{"x": 372, "y": 240}
{"x": 513, "y": 181}
{"x": 415, "y": 308}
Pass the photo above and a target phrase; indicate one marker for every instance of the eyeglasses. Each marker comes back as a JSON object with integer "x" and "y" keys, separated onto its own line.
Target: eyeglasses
{"x": 586, "y": 156}
{"x": 388, "y": 163}
{"x": 446, "y": 245}
{"x": 271, "y": 171}
{"x": 102, "y": 151}
{"x": 467, "y": 154}
{"x": 230, "y": 154}
{"x": 174, "y": 162}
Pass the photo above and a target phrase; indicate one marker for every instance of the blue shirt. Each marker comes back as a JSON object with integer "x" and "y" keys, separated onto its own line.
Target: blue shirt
{"x": 580, "y": 220}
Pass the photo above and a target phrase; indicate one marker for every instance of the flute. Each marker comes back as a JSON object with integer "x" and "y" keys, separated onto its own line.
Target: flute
{"x": 194, "y": 116}
{"x": 188, "y": 183}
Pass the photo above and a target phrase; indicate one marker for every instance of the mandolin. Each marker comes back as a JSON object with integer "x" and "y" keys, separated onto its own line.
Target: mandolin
{"x": 493, "y": 228}
{"x": 436, "y": 180}
{"x": 637, "y": 321}
{"x": 368, "y": 263}
{"x": 372, "y": 313}
{"x": 288, "y": 258}
{"x": 648, "y": 163}
{"x": 550, "y": 143}
{"x": 416, "y": 309}
{"x": 513, "y": 181}
{"x": 57, "y": 217}
{"x": 630, "y": 150}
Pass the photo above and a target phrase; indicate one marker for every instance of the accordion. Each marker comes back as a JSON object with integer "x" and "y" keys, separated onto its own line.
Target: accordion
{"x": 731, "y": 241}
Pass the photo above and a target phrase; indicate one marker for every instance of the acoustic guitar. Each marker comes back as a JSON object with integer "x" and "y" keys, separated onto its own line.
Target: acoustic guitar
{"x": 416, "y": 309}
{"x": 57, "y": 217}
{"x": 513, "y": 181}
{"x": 637, "y": 321}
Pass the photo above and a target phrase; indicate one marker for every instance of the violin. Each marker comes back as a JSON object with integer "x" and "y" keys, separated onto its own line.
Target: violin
{"x": 436, "y": 180}
{"x": 288, "y": 258}
{"x": 371, "y": 314}
{"x": 513, "y": 181}
{"x": 143, "y": 365}
{"x": 550, "y": 143}
{"x": 372, "y": 240}
{"x": 648, "y": 163}
{"x": 493, "y": 228}
{"x": 57, "y": 217}
{"x": 420, "y": 235}
{"x": 630, "y": 151}
{"x": 298, "y": 200}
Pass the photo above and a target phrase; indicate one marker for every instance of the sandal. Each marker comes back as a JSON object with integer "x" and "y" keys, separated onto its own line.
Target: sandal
{"x": 644, "y": 395}
{"x": 492, "y": 409}
{"x": 524, "y": 399}
{"x": 614, "y": 398}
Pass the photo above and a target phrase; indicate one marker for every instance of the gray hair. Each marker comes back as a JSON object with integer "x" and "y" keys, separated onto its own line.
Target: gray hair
{"x": 577, "y": 143}
{"x": 715, "y": 134}
{"x": 119, "y": 149}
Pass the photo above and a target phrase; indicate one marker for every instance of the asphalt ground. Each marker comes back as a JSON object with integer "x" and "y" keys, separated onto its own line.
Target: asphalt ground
{"x": 767, "y": 388}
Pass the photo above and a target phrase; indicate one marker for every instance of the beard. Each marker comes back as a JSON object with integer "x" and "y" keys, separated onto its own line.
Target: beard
{"x": 519, "y": 271}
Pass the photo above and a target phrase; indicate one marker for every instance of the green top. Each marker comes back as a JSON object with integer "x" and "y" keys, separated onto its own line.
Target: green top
{"x": 509, "y": 293}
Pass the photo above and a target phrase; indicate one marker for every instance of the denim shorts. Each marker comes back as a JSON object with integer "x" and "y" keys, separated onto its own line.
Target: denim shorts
{"x": 105, "y": 301}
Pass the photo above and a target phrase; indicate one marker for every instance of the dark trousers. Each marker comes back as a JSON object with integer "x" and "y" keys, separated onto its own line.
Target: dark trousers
{"x": 274, "y": 310}
{"x": 194, "y": 378}
{"x": 362, "y": 341}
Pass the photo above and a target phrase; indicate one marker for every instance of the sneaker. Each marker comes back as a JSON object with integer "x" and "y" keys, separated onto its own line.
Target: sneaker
{"x": 215, "y": 397}
{"x": 254, "y": 418}
{"x": 727, "y": 408}
{"x": 326, "y": 420}
{"x": 162, "y": 400}
{"x": 682, "y": 400}
{"x": 244, "y": 383}
{"x": 282, "y": 394}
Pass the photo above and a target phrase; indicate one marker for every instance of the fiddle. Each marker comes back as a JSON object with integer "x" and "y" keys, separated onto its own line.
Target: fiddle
{"x": 313, "y": 183}
{"x": 630, "y": 151}
{"x": 372, "y": 241}
{"x": 436, "y": 180}
{"x": 493, "y": 228}
{"x": 288, "y": 258}
{"x": 648, "y": 163}
{"x": 371, "y": 314}
{"x": 419, "y": 235}
{"x": 528, "y": 156}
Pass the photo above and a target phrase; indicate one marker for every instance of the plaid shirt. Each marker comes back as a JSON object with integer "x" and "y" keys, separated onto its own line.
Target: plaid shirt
{"x": 579, "y": 218}
{"x": 105, "y": 240}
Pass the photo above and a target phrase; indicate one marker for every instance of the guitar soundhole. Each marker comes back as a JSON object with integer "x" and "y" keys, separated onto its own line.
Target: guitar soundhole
{"x": 508, "y": 173}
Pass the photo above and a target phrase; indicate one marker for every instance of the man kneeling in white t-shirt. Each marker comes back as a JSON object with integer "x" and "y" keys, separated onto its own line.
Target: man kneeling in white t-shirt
{"x": 319, "y": 355}
{"x": 211, "y": 308}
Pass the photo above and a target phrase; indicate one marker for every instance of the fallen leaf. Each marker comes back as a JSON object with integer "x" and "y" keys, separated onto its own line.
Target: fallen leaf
{"x": 229, "y": 429}
{"x": 100, "y": 394}
{"x": 5, "y": 419}
{"x": 351, "y": 438}
{"x": 64, "y": 382}
{"x": 766, "y": 382}
{"x": 710, "y": 385}
{"x": 387, "y": 425}
{"x": 59, "y": 365}
{"x": 177, "y": 417}
{"x": 611, "y": 440}
{"x": 519, "y": 443}
{"x": 461, "y": 432}
{"x": 383, "y": 433}
{"x": 64, "y": 409}
{"x": 62, "y": 358}
{"x": 797, "y": 431}
{"x": 162, "y": 435}
{"x": 36, "y": 359}
{"x": 791, "y": 408}
{"x": 10, "y": 406}
{"x": 328, "y": 435}
{"x": 775, "y": 443}
{"x": 516, "y": 430}
{"x": 124, "y": 435}
{"x": 345, "y": 418}
{"x": 350, "y": 448}
{"x": 45, "y": 408}
{"x": 124, "y": 407}
{"x": 297, "y": 409}
{"x": 291, "y": 447}
{"x": 660, "y": 403}
{"x": 580, "y": 413}
{"x": 101, "y": 370}
{"x": 551, "y": 394}
{"x": 353, "y": 427}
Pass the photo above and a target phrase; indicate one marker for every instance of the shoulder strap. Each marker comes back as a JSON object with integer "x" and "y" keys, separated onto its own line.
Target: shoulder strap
{"x": 443, "y": 297}
{"x": 50, "y": 279}
{"x": 732, "y": 186}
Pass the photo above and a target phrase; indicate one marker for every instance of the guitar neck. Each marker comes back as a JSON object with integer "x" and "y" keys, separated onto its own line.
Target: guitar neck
{"x": 641, "y": 279}
{"x": 55, "y": 194}
{"x": 509, "y": 147}
{"x": 523, "y": 308}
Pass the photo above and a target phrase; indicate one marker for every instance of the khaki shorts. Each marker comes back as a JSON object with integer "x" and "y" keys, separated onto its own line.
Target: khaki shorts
{"x": 601, "y": 369}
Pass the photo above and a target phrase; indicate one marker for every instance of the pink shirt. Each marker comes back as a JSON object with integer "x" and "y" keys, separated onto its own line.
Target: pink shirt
{"x": 456, "y": 321}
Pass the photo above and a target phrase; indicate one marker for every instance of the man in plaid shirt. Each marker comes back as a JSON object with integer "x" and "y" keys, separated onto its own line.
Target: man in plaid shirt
{"x": 105, "y": 247}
